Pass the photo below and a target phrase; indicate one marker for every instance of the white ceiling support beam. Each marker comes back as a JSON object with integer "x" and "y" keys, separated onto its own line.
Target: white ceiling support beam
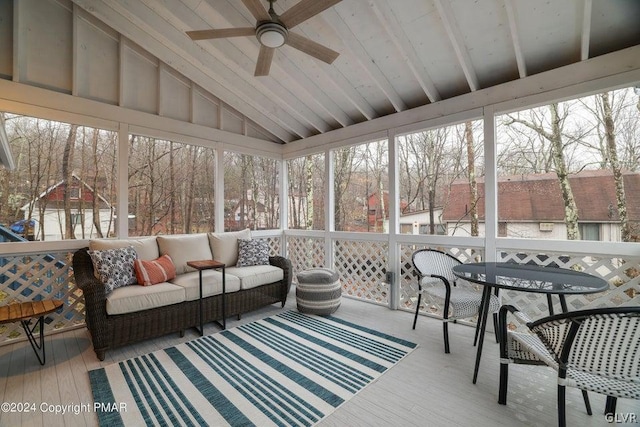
{"x": 209, "y": 71}
{"x": 611, "y": 70}
{"x": 586, "y": 30}
{"x": 30, "y": 100}
{"x": 457, "y": 41}
{"x": 359, "y": 52}
{"x": 392, "y": 26}
{"x": 515, "y": 38}
{"x": 181, "y": 18}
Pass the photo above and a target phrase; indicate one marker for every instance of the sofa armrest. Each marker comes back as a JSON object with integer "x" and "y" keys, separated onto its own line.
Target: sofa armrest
{"x": 95, "y": 298}
{"x": 285, "y": 265}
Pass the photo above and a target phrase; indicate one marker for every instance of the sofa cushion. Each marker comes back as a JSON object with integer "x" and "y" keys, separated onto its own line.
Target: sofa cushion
{"x": 155, "y": 271}
{"x": 256, "y": 275}
{"x": 183, "y": 248}
{"x": 131, "y": 299}
{"x": 114, "y": 267}
{"x": 252, "y": 252}
{"x": 224, "y": 246}
{"x": 146, "y": 247}
{"x": 211, "y": 284}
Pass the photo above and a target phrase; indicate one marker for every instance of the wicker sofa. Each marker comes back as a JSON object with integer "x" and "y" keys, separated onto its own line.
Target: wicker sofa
{"x": 133, "y": 313}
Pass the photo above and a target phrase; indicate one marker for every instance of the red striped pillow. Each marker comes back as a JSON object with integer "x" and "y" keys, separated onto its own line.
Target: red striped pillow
{"x": 156, "y": 271}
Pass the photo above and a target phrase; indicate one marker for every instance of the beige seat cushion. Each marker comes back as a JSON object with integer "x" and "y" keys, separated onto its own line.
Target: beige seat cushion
{"x": 256, "y": 275}
{"x": 224, "y": 246}
{"x": 211, "y": 284}
{"x": 130, "y": 299}
{"x": 185, "y": 247}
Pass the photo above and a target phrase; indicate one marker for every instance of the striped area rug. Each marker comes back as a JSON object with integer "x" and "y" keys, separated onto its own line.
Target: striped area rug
{"x": 290, "y": 369}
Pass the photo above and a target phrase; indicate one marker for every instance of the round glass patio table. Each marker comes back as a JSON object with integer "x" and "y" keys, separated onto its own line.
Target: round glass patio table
{"x": 525, "y": 278}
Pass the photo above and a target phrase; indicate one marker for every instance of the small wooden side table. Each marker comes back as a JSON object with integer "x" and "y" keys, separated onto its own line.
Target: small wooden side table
{"x": 25, "y": 312}
{"x": 211, "y": 264}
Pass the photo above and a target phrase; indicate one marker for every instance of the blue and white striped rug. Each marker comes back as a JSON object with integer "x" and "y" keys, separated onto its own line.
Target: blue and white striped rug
{"x": 290, "y": 369}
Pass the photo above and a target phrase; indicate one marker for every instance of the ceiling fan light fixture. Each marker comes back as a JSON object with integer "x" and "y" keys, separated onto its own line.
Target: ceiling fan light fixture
{"x": 271, "y": 34}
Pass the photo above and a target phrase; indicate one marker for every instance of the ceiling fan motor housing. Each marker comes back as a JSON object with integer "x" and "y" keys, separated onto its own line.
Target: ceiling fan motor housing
{"x": 271, "y": 34}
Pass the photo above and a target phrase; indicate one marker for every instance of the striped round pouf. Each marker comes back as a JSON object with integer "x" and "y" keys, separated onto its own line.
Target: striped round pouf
{"x": 318, "y": 291}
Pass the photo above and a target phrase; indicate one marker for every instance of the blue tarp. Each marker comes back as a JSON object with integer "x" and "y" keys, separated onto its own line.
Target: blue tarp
{"x": 18, "y": 226}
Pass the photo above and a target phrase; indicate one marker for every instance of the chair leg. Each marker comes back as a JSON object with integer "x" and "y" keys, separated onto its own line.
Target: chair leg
{"x": 562, "y": 420}
{"x": 445, "y": 330}
{"x": 587, "y": 404}
{"x": 495, "y": 326}
{"x": 504, "y": 380}
{"x": 415, "y": 318}
{"x": 610, "y": 406}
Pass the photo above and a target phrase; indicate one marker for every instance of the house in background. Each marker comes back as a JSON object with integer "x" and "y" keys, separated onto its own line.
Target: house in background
{"x": 47, "y": 212}
{"x": 536, "y": 208}
{"x": 418, "y": 222}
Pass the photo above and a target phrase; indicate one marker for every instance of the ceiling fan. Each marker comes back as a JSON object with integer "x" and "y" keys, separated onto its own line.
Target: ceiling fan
{"x": 272, "y": 31}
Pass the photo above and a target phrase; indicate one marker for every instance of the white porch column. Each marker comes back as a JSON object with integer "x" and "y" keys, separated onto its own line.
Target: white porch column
{"x": 122, "y": 197}
{"x": 283, "y": 170}
{"x": 490, "y": 185}
{"x": 219, "y": 189}
{"x": 329, "y": 221}
{"x": 393, "y": 263}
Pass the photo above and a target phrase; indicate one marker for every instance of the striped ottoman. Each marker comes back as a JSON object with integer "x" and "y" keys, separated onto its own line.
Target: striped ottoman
{"x": 318, "y": 291}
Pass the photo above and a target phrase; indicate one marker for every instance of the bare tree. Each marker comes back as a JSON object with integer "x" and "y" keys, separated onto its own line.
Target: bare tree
{"x": 473, "y": 184}
{"x": 557, "y": 149}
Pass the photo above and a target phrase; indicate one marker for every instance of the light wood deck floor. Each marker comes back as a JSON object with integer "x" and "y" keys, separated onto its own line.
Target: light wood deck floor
{"x": 427, "y": 388}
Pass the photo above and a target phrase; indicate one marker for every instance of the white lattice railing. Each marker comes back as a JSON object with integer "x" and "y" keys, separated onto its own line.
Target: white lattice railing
{"x": 362, "y": 265}
{"x": 35, "y": 277}
{"x": 361, "y": 262}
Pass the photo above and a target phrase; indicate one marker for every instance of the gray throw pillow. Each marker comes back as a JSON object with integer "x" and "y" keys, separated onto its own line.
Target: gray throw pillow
{"x": 115, "y": 267}
{"x": 252, "y": 252}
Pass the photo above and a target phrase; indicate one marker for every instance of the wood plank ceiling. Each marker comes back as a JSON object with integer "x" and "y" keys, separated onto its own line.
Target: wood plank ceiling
{"x": 394, "y": 54}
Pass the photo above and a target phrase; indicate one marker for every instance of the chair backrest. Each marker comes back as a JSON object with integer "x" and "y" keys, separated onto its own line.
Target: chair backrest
{"x": 603, "y": 341}
{"x": 432, "y": 262}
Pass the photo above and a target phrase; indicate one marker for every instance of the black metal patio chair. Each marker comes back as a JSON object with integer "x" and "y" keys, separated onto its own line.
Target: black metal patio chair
{"x": 461, "y": 299}
{"x": 594, "y": 350}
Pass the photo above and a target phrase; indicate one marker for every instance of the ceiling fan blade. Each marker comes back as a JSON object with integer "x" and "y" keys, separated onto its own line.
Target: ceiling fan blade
{"x": 264, "y": 61}
{"x": 221, "y": 33}
{"x": 305, "y": 10}
{"x": 312, "y": 48}
{"x": 257, "y": 9}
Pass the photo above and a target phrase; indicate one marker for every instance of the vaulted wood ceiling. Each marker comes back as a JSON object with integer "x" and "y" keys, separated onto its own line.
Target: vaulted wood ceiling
{"x": 394, "y": 54}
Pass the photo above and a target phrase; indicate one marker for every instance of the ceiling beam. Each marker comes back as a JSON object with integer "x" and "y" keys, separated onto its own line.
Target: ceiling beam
{"x": 387, "y": 18}
{"x": 457, "y": 41}
{"x": 207, "y": 72}
{"x": 586, "y": 29}
{"x": 595, "y": 74}
{"x": 359, "y": 52}
{"x": 515, "y": 38}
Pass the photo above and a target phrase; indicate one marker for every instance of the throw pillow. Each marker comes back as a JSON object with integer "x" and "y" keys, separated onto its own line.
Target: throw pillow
{"x": 252, "y": 252}
{"x": 115, "y": 267}
{"x": 155, "y": 271}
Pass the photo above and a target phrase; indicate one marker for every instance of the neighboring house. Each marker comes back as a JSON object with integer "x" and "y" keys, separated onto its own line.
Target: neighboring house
{"x": 255, "y": 215}
{"x": 48, "y": 211}
{"x": 531, "y": 206}
{"x": 418, "y": 222}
